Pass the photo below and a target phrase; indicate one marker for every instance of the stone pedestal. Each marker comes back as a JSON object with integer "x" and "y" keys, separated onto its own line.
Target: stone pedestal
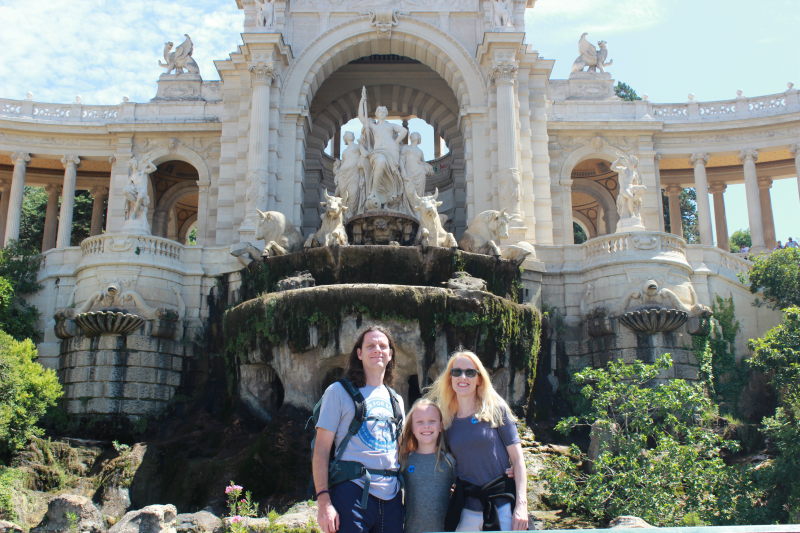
{"x": 630, "y": 224}
{"x": 590, "y": 86}
{"x": 179, "y": 87}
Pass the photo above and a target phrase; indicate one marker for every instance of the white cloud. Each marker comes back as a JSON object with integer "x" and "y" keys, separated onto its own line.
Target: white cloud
{"x": 558, "y": 21}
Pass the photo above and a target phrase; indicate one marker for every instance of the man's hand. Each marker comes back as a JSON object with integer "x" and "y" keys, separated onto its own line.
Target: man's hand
{"x": 520, "y": 518}
{"x": 327, "y": 517}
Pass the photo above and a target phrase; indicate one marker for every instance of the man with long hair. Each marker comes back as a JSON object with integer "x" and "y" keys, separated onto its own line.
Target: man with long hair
{"x": 369, "y": 500}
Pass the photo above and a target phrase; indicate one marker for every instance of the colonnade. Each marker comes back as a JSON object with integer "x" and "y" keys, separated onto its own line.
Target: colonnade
{"x": 759, "y": 201}
{"x": 58, "y": 223}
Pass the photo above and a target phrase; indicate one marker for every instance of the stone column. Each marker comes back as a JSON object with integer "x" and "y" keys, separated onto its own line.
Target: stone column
{"x": 337, "y": 143}
{"x": 437, "y": 145}
{"x": 70, "y": 163}
{"x": 20, "y": 160}
{"x": 675, "y": 218}
{"x": 261, "y": 73}
{"x": 202, "y": 210}
{"x": 795, "y": 148}
{"x": 508, "y": 179}
{"x": 51, "y": 217}
{"x": 720, "y": 220}
{"x": 99, "y": 194}
{"x": 659, "y": 189}
{"x": 699, "y": 161}
{"x": 4, "y": 189}
{"x": 748, "y": 158}
{"x": 767, "y": 218}
{"x": 408, "y": 135}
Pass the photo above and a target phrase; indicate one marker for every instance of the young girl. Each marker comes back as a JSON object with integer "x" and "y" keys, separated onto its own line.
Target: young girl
{"x": 428, "y": 471}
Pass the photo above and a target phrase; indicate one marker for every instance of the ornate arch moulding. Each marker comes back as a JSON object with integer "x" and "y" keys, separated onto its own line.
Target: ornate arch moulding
{"x": 357, "y": 37}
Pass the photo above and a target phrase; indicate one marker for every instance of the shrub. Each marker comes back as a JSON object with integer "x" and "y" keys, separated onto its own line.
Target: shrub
{"x": 778, "y": 275}
{"x": 26, "y": 391}
{"x": 660, "y": 458}
{"x": 18, "y": 270}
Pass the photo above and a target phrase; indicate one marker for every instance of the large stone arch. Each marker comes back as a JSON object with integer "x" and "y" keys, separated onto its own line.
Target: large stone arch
{"x": 603, "y": 197}
{"x": 357, "y": 38}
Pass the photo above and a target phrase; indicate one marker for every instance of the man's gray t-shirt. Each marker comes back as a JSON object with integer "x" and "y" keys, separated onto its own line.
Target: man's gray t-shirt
{"x": 480, "y": 450}
{"x": 375, "y": 444}
{"x": 427, "y": 488}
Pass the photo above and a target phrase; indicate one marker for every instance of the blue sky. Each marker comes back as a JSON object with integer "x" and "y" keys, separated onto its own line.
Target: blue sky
{"x": 103, "y": 50}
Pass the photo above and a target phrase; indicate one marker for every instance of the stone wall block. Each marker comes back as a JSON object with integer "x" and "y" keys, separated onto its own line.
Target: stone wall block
{"x": 142, "y": 343}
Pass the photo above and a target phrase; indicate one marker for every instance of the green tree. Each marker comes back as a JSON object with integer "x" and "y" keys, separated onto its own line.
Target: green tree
{"x": 579, "y": 235}
{"x": 778, "y": 275}
{"x": 625, "y": 91}
{"x": 18, "y": 270}
{"x": 739, "y": 239}
{"x": 660, "y": 459}
{"x": 688, "y": 205}
{"x": 27, "y": 390}
{"x": 34, "y": 210}
{"x": 777, "y": 354}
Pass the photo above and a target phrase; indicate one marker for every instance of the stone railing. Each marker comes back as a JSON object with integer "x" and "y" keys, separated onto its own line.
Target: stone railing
{"x": 635, "y": 244}
{"x": 140, "y": 245}
{"x": 735, "y": 109}
{"x": 126, "y": 112}
{"x": 731, "y": 266}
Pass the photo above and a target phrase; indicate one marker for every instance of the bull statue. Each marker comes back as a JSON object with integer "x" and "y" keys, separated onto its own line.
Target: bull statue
{"x": 484, "y": 233}
{"x": 279, "y": 235}
{"x": 431, "y": 231}
{"x": 331, "y": 232}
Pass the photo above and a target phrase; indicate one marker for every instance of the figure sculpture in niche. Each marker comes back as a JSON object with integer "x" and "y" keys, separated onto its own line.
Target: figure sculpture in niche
{"x": 413, "y": 167}
{"x": 136, "y": 196}
{"x": 266, "y": 13}
{"x": 593, "y": 60}
{"x": 384, "y": 183}
{"x": 181, "y": 59}
{"x": 349, "y": 174}
{"x": 631, "y": 190}
{"x": 501, "y": 14}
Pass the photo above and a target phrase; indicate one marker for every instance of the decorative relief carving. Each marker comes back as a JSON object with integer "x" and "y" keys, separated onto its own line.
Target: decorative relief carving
{"x": 360, "y": 5}
{"x": 262, "y": 71}
{"x": 384, "y": 20}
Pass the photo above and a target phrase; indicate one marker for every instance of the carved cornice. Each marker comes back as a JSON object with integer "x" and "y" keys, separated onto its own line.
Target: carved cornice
{"x": 699, "y": 157}
{"x": 748, "y": 154}
{"x": 70, "y": 159}
{"x": 262, "y": 71}
{"x": 19, "y": 158}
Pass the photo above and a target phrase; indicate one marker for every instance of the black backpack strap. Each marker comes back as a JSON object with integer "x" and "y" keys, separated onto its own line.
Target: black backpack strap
{"x": 397, "y": 412}
{"x": 358, "y": 417}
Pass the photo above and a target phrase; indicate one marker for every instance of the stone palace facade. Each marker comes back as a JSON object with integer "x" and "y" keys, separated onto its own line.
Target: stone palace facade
{"x": 207, "y": 155}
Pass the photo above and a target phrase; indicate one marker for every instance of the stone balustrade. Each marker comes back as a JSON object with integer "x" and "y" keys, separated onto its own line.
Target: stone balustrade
{"x": 138, "y": 244}
{"x": 126, "y": 112}
{"x": 692, "y": 111}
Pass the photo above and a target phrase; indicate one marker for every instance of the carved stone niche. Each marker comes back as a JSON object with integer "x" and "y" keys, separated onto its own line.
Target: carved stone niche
{"x": 382, "y": 227}
{"x": 598, "y": 323}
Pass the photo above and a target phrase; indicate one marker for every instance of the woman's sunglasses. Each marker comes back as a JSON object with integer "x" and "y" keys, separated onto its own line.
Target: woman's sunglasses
{"x": 469, "y": 372}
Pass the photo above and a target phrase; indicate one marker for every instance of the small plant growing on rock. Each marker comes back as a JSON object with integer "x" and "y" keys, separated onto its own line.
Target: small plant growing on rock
{"x": 240, "y": 506}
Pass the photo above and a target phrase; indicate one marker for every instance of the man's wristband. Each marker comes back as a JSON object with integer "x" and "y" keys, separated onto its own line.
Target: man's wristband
{"x": 320, "y": 493}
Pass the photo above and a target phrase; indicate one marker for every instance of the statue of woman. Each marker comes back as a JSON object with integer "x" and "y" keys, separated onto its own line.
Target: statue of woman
{"x": 349, "y": 176}
{"x": 384, "y": 184}
{"x": 413, "y": 167}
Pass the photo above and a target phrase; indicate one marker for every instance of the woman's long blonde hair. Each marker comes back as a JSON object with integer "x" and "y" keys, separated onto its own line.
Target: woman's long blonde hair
{"x": 408, "y": 442}
{"x": 492, "y": 407}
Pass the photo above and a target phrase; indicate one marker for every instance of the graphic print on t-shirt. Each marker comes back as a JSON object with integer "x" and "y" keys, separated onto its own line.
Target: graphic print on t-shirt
{"x": 378, "y": 434}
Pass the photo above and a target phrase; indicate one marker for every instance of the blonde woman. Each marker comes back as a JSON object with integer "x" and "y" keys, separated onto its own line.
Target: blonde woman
{"x": 481, "y": 434}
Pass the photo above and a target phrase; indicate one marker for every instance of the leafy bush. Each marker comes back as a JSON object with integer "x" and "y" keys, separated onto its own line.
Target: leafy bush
{"x": 659, "y": 458}
{"x": 740, "y": 239}
{"x": 778, "y": 274}
{"x": 18, "y": 270}
{"x": 10, "y": 481}
{"x": 26, "y": 391}
{"x": 778, "y": 355}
